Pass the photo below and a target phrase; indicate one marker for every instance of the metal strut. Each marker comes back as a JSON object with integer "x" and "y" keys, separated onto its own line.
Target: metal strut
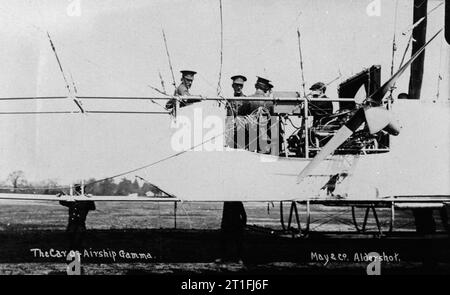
{"x": 293, "y": 211}
{"x": 175, "y": 214}
{"x": 297, "y": 219}
{"x": 366, "y": 216}
{"x": 282, "y": 216}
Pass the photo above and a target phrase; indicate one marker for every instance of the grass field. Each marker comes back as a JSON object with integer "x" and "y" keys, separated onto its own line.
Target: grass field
{"x": 25, "y": 215}
{"x": 194, "y": 244}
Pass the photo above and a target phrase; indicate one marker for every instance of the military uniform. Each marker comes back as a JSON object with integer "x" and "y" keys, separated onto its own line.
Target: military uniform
{"x": 231, "y": 128}
{"x": 78, "y": 212}
{"x": 233, "y": 107}
{"x": 262, "y": 90}
{"x": 234, "y": 220}
{"x": 183, "y": 90}
{"x": 258, "y": 134}
{"x": 76, "y": 227}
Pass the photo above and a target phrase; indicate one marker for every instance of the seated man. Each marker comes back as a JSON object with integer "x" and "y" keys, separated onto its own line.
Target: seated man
{"x": 319, "y": 109}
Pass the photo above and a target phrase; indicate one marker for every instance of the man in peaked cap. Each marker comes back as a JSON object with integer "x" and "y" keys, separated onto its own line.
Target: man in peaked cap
{"x": 263, "y": 88}
{"x": 319, "y": 109}
{"x": 78, "y": 211}
{"x": 318, "y": 89}
{"x": 238, "y": 84}
{"x": 187, "y": 77}
{"x": 232, "y": 109}
{"x": 261, "y": 127}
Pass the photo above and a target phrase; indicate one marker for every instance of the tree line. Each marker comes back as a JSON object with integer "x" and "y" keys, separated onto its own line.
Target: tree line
{"x": 17, "y": 183}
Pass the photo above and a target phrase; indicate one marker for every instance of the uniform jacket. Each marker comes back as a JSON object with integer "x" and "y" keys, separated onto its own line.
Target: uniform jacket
{"x": 234, "y": 217}
{"x": 320, "y": 109}
{"x": 181, "y": 90}
{"x": 249, "y": 106}
{"x": 78, "y": 211}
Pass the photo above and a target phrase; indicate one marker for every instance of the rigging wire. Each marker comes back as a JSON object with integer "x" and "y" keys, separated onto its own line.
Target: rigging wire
{"x": 77, "y": 102}
{"x": 406, "y": 50}
{"x": 394, "y": 49}
{"x": 156, "y": 162}
{"x": 32, "y": 98}
{"x": 169, "y": 60}
{"x": 301, "y": 62}
{"x": 162, "y": 81}
{"x": 172, "y": 156}
{"x": 394, "y": 44}
{"x": 259, "y": 111}
{"x": 79, "y": 112}
{"x": 219, "y": 87}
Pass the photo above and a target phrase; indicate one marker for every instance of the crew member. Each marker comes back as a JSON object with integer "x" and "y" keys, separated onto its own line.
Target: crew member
{"x": 258, "y": 130}
{"x": 234, "y": 220}
{"x": 187, "y": 77}
{"x": 78, "y": 211}
{"x": 424, "y": 220}
{"x": 232, "y": 107}
{"x": 238, "y": 85}
{"x": 319, "y": 109}
{"x": 262, "y": 89}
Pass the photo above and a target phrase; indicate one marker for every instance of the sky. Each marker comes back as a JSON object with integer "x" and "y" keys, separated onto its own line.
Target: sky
{"x": 115, "y": 48}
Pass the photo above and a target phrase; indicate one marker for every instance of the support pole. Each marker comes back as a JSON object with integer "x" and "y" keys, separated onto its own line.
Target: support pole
{"x": 380, "y": 231}
{"x": 291, "y": 213}
{"x": 419, "y": 35}
{"x": 283, "y": 226}
{"x": 306, "y": 120}
{"x": 308, "y": 216}
{"x": 175, "y": 214}
{"x": 366, "y": 217}
{"x": 391, "y": 224}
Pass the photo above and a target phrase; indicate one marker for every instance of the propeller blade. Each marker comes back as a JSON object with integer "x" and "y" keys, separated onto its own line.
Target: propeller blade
{"x": 378, "y": 95}
{"x": 342, "y": 135}
{"x": 375, "y": 124}
{"x": 392, "y": 128}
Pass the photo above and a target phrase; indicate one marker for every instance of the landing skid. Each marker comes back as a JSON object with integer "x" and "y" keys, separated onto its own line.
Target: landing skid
{"x": 295, "y": 228}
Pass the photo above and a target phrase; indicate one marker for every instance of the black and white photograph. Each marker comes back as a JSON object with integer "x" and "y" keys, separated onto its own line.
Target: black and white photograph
{"x": 224, "y": 138}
